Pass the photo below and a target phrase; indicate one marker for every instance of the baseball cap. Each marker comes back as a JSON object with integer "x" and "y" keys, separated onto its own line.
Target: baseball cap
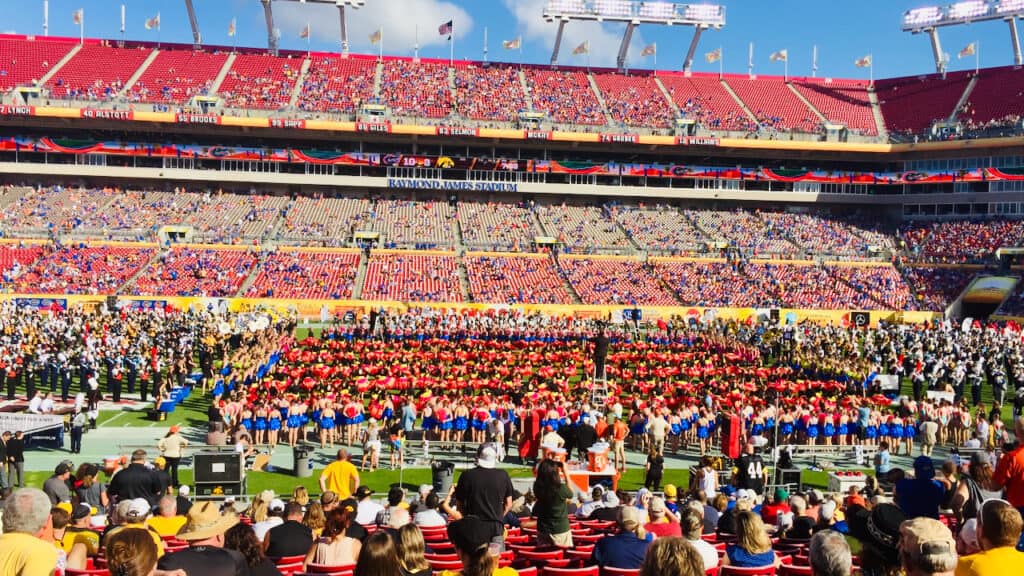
{"x": 424, "y": 489}
{"x": 629, "y": 518}
{"x": 276, "y": 505}
{"x": 82, "y": 511}
{"x": 781, "y": 495}
{"x": 159, "y": 461}
{"x": 487, "y": 456}
{"x": 671, "y": 491}
{"x": 184, "y": 490}
{"x": 931, "y": 538}
{"x": 746, "y": 494}
{"x": 469, "y": 534}
{"x": 138, "y": 509}
{"x": 924, "y": 468}
{"x": 657, "y": 504}
{"x": 611, "y": 499}
{"x": 363, "y": 491}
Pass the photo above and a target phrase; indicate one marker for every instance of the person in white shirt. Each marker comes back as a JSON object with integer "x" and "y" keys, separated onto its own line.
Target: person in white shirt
{"x": 367, "y": 509}
{"x": 36, "y": 403}
{"x": 47, "y": 406}
{"x": 275, "y": 518}
{"x": 692, "y": 524}
{"x": 429, "y": 517}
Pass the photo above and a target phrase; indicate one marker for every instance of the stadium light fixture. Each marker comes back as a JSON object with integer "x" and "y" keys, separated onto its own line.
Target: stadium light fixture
{"x": 340, "y": 4}
{"x": 633, "y": 13}
{"x": 929, "y": 19}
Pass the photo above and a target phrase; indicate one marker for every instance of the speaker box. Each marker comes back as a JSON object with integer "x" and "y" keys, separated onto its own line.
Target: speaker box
{"x": 220, "y": 489}
{"x": 788, "y": 476}
{"x": 217, "y": 467}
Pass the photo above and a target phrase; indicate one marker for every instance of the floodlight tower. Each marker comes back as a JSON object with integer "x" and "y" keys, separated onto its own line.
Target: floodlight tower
{"x": 634, "y": 13}
{"x": 930, "y": 18}
{"x": 341, "y": 4}
{"x": 197, "y": 38}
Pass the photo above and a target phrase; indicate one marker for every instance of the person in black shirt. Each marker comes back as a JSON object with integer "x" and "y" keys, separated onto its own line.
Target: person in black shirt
{"x": 16, "y": 459}
{"x": 586, "y": 436}
{"x": 241, "y": 538}
{"x": 135, "y": 481}
{"x": 3, "y": 457}
{"x": 204, "y": 531}
{"x": 486, "y": 492}
{"x": 292, "y": 538}
{"x": 750, "y": 471}
{"x": 655, "y": 468}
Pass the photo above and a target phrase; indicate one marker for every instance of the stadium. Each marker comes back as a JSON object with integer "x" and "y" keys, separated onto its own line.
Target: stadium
{"x": 294, "y": 246}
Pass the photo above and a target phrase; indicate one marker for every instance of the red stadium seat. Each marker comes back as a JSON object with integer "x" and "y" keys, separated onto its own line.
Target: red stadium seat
{"x": 586, "y": 571}
{"x": 609, "y": 571}
{"x": 325, "y": 569}
{"x": 737, "y": 571}
{"x": 793, "y": 570}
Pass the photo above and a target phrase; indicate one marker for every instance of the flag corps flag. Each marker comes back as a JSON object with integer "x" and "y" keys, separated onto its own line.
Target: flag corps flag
{"x": 446, "y": 28}
{"x": 305, "y": 32}
{"x": 650, "y": 50}
{"x": 780, "y": 56}
{"x": 583, "y": 48}
{"x": 862, "y": 62}
{"x": 513, "y": 44}
{"x": 968, "y": 50}
{"x": 77, "y": 16}
{"x": 713, "y": 56}
{"x": 231, "y": 28}
{"x": 376, "y": 36}
{"x": 153, "y": 22}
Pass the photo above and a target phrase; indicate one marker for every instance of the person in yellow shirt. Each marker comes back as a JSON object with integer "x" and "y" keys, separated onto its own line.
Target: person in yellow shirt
{"x": 340, "y": 476}
{"x": 472, "y": 543}
{"x": 26, "y": 520}
{"x": 167, "y": 522}
{"x": 133, "y": 514}
{"x": 71, "y": 528}
{"x": 999, "y": 529}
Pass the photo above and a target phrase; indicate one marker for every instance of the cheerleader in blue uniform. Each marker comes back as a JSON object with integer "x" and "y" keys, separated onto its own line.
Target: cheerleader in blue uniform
{"x": 445, "y": 423}
{"x": 786, "y": 429}
{"x": 703, "y": 433}
{"x": 800, "y": 426}
{"x": 637, "y": 430}
{"x": 675, "y": 428}
{"x": 246, "y": 421}
{"x": 883, "y": 431}
{"x": 685, "y": 427}
{"x": 327, "y": 433}
{"x": 813, "y": 430}
{"x": 909, "y": 431}
{"x": 273, "y": 429}
{"x": 461, "y": 423}
{"x": 895, "y": 435}
{"x": 294, "y": 422}
{"x": 871, "y": 432}
{"x": 260, "y": 425}
{"x": 389, "y": 410}
{"x": 843, "y": 430}
{"x": 828, "y": 429}
{"x": 479, "y": 424}
{"x": 429, "y": 422}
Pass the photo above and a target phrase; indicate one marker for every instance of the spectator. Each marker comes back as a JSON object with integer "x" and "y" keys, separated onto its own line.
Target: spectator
{"x": 672, "y": 493}
{"x": 691, "y": 525}
{"x": 751, "y": 470}
{"x": 753, "y": 547}
{"x": 340, "y": 477}
{"x": 273, "y": 515}
{"x": 242, "y": 539}
{"x": 411, "y": 548}
{"x": 78, "y": 532}
{"x": 133, "y": 514}
{"x": 135, "y": 481}
{"x": 314, "y": 518}
{"x": 551, "y": 509}
{"x": 921, "y": 495}
{"x": 167, "y": 521}
{"x": 56, "y": 486}
{"x": 427, "y": 516}
{"x": 204, "y": 531}
{"x": 655, "y": 467}
{"x": 744, "y": 503}
{"x": 335, "y": 547}
{"x": 926, "y": 547}
{"x": 999, "y": 530}
{"x": 88, "y": 489}
{"x": 803, "y": 525}
{"x": 974, "y": 488}
{"x": 182, "y": 501}
{"x": 473, "y": 545}
{"x": 379, "y": 556}
{"x": 171, "y": 447}
{"x": 770, "y": 512}
{"x": 301, "y": 495}
{"x": 882, "y": 459}
{"x": 661, "y": 525}
{"x": 627, "y": 548}
{"x": 1009, "y": 474}
{"x": 878, "y": 533}
{"x": 394, "y": 509}
{"x": 329, "y": 500}
{"x": 713, "y": 512}
{"x": 829, "y": 554}
{"x": 292, "y": 537}
{"x": 485, "y": 492}
{"x": 23, "y": 552}
{"x": 672, "y": 556}
{"x": 609, "y": 509}
{"x": 368, "y": 509}
{"x": 131, "y": 552}
{"x": 16, "y": 459}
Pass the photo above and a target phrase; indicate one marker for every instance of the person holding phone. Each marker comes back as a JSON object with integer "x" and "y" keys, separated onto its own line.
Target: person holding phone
{"x": 553, "y": 496}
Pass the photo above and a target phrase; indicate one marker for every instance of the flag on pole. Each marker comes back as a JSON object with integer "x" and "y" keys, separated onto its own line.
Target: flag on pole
{"x": 231, "y": 28}
{"x": 153, "y": 22}
{"x": 305, "y": 32}
{"x": 376, "y": 36}
{"x": 968, "y": 50}
{"x": 863, "y": 62}
{"x": 713, "y": 56}
{"x": 780, "y": 56}
{"x": 446, "y": 28}
{"x": 583, "y": 48}
{"x": 649, "y": 50}
{"x": 513, "y": 44}
{"x": 77, "y": 16}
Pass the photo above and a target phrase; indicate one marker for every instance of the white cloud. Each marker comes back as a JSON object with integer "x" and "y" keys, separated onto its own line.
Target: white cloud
{"x": 604, "y": 38}
{"x": 399, "y": 18}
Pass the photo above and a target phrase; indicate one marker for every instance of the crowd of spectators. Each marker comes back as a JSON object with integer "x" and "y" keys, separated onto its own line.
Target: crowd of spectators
{"x": 498, "y": 226}
{"x": 195, "y": 272}
{"x": 820, "y": 234}
{"x": 961, "y": 241}
{"x": 635, "y": 100}
{"x": 489, "y": 93}
{"x": 419, "y": 224}
{"x": 515, "y": 280}
{"x": 936, "y": 288}
{"x": 661, "y": 228}
{"x": 615, "y": 281}
{"x": 566, "y": 96}
{"x": 80, "y": 270}
{"x": 335, "y": 84}
{"x": 413, "y": 278}
{"x": 743, "y": 230}
{"x": 419, "y": 89}
{"x": 260, "y": 81}
{"x": 299, "y": 274}
{"x": 711, "y": 283}
{"x": 323, "y": 220}
{"x": 579, "y": 228}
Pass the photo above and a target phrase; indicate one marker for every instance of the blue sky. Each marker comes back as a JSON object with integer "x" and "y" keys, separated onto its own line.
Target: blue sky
{"x": 843, "y": 30}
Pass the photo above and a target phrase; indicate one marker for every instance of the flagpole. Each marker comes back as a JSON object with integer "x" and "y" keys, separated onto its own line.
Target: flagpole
{"x": 721, "y": 63}
{"x": 485, "y": 44}
{"x": 977, "y": 57}
{"x": 871, "y": 69}
{"x": 46, "y": 17}
{"x": 122, "y": 23}
{"x": 309, "y": 34}
{"x": 415, "y": 47}
{"x": 785, "y": 68}
{"x": 750, "y": 65}
{"x": 451, "y": 45}
{"x": 814, "y": 67}
{"x": 380, "y": 46}
{"x": 81, "y": 28}
{"x": 158, "y": 30}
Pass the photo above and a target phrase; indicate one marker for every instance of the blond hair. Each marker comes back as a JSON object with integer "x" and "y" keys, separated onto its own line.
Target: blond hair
{"x": 671, "y": 555}
{"x": 751, "y": 534}
{"x": 411, "y": 548}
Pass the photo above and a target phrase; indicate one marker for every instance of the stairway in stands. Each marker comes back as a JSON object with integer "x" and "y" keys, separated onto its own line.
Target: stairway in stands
{"x": 138, "y": 73}
{"x": 378, "y": 74}
{"x": 60, "y": 64}
{"x": 963, "y": 98}
{"x": 739, "y": 102}
{"x": 360, "y": 281}
{"x": 668, "y": 96}
{"x": 600, "y": 99}
{"x": 215, "y": 87}
{"x": 130, "y": 281}
{"x": 569, "y": 288}
{"x": 526, "y": 90}
{"x": 876, "y": 111}
{"x": 299, "y": 82}
{"x": 806, "y": 102}
{"x": 253, "y": 273}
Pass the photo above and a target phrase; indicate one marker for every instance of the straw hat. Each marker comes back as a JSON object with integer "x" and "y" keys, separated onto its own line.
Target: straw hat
{"x": 204, "y": 521}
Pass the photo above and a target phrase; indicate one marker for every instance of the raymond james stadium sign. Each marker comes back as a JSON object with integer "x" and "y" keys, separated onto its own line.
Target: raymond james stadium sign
{"x": 421, "y": 184}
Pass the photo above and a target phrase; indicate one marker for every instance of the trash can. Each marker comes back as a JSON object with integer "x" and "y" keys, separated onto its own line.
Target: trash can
{"x": 300, "y": 461}
{"x": 442, "y": 473}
